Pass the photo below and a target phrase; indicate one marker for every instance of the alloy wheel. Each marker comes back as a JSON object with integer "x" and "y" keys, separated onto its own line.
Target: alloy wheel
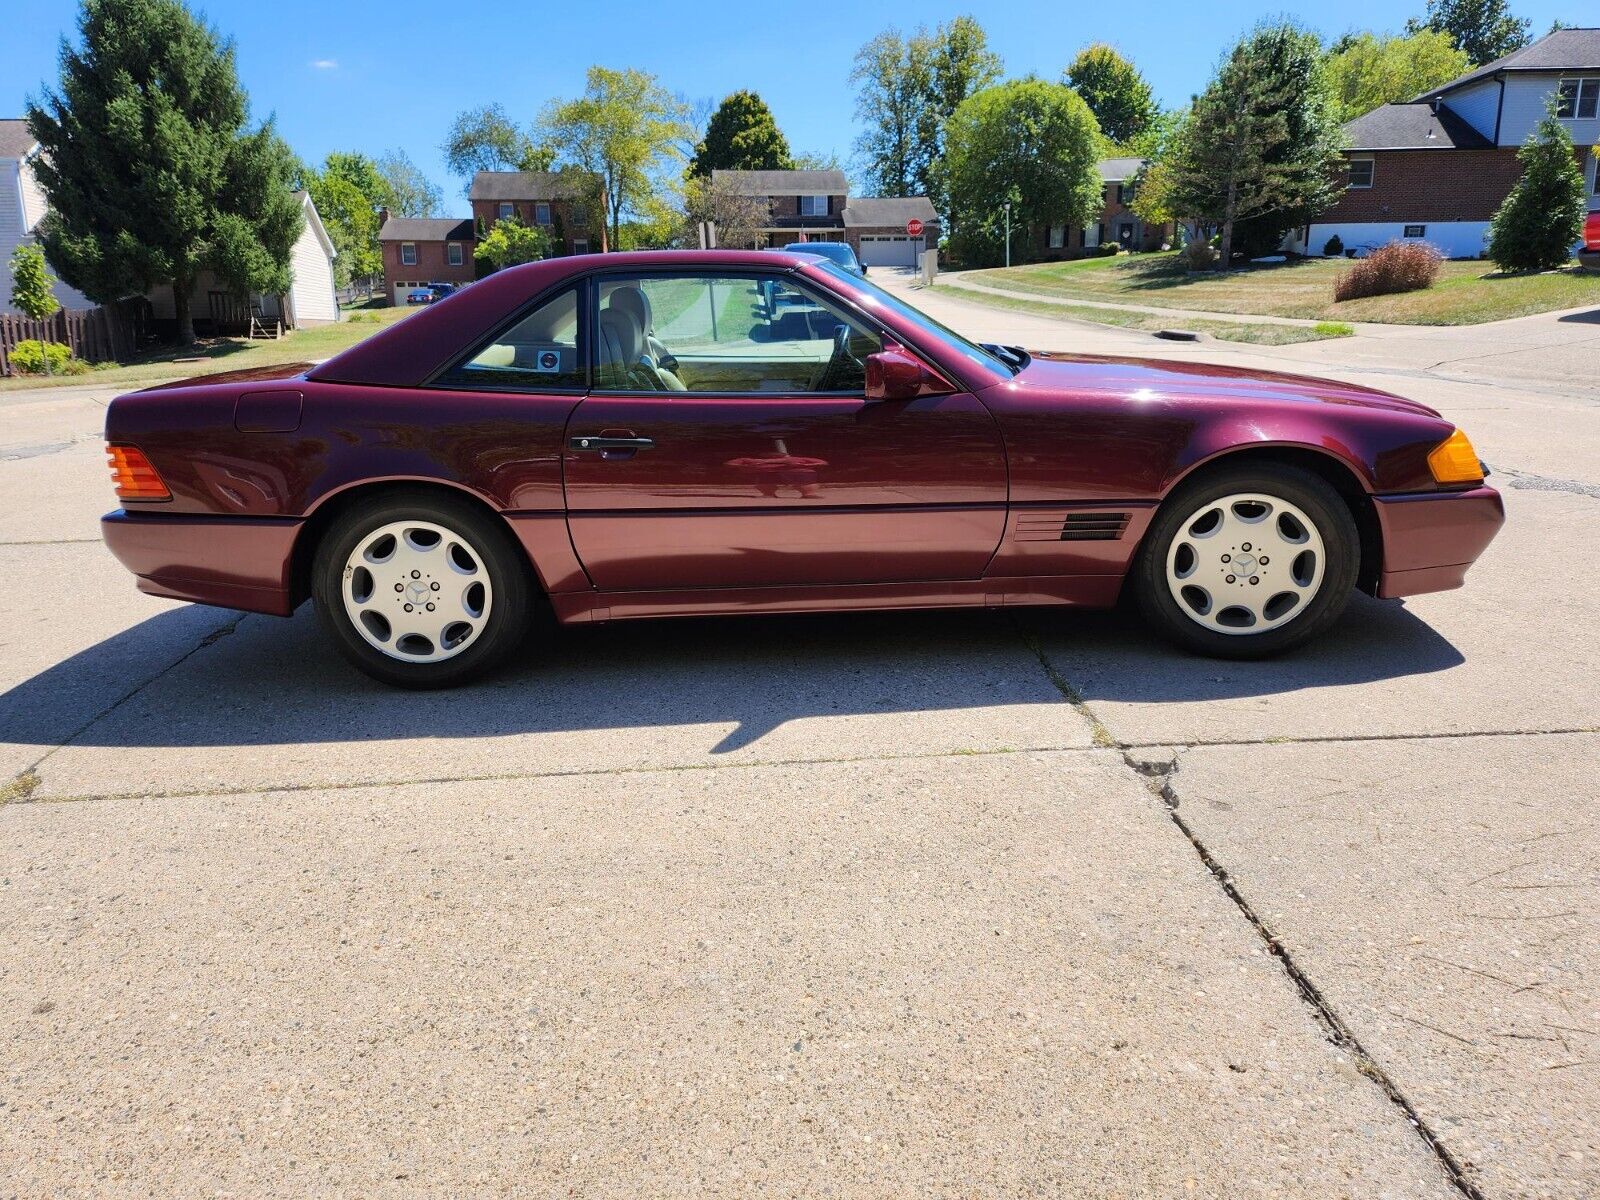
{"x": 1245, "y": 563}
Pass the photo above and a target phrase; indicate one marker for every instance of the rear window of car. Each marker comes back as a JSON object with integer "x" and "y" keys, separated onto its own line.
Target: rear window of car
{"x": 837, "y": 252}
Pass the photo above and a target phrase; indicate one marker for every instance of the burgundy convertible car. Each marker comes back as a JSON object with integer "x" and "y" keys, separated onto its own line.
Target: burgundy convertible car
{"x": 643, "y": 435}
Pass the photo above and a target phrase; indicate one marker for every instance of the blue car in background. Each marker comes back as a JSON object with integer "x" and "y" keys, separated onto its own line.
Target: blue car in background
{"x": 430, "y": 292}
{"x": 834, "y": 252}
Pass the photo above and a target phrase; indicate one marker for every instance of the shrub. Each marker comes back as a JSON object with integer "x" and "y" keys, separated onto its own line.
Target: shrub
{"x": 1333, "y": 247}
{"x": 1536, "y": 227}
{"x": 1200, "y": 256}
{"x": 30, "y": 356}
{"x": 1396, "y": 267}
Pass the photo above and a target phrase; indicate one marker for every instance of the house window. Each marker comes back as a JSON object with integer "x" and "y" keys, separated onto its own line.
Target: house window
{"x": 1122, "y": 194}
{"x": 580, "y": 245}
{"x": 507, "y": 211}
{"x": 1360, "y": 173}
{"x": 408, "y": 254}
{"x": 1577, "y": 99}
{"x": 580, "y": 215}
{"x": 1416, "y": 231}
{"x": 453, "y": 254}
{"x": 1058, "y": 236}
{"x": 541, "y": 214}
{"x": 813, "y": 206}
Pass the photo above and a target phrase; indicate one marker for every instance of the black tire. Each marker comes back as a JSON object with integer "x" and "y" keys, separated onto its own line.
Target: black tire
{"x": 512, "y": 590}
{"x": 1309, "y": 493}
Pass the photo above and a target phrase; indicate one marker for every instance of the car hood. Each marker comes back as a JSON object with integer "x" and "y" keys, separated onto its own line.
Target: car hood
{"x": 1200, "y": 381}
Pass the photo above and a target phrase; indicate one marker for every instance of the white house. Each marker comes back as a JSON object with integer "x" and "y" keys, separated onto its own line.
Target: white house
{"x": 22, "y": 207}
{"x": 309, "y": 301}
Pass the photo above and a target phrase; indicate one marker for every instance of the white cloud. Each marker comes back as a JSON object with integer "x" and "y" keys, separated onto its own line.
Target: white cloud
{"x": 325, "y": 64}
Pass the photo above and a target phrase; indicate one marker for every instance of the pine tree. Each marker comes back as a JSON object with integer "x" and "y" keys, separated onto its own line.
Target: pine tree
{"x": 1260, "y": 150}
{"x": 1485, "y": 29}
{"x": 150, "y": 171}
{"x": 1536, "y": 226}
{"x": 741, "y": 136}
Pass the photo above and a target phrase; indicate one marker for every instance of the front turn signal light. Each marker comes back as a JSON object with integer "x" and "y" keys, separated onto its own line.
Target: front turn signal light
{"x": 134, "y": 477}
{"x": 1455, "y": 461}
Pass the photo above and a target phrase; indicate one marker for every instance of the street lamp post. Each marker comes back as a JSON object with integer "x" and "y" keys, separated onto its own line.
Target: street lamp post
{"x": 1008, "y": 233}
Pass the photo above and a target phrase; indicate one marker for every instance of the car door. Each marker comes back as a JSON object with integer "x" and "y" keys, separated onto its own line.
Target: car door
{"x": 727, "y": 442}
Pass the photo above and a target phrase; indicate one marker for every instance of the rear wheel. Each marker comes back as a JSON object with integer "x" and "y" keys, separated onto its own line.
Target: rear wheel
{"x": 421, "y": 591}
{"x": 1249, "y": 561}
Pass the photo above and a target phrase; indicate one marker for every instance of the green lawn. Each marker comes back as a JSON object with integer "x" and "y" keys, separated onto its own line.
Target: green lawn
{"x": 1230, "y": 331}
{"x": 1467, "y": 292}
{"x": 224, "y": 354}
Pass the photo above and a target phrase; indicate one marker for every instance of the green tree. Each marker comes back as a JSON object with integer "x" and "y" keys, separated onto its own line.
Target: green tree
{"x": 1031, "y": 142}
{"x": 907, "y": 91}
{"x": 741, "y": 136}
{"x": 1485, "y": 29}
{"x": 1366, "y": 70}
{"x": 1537, "y": 225}
{"x": 1260, "y": 151}
{"x": 510, "y": 242}
{"x": 624, "y": 132}
{"x": 409, "y": 193}
{"x": 150, "y": 171}
{"x": 485, "y": 139}
{"x": 348, "y": 192}
{"x": 32, "y": 287}
{"x": 1115, "y": 92}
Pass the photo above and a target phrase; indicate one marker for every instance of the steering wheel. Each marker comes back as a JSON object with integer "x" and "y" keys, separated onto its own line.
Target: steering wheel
{"x": 841, "y": 359}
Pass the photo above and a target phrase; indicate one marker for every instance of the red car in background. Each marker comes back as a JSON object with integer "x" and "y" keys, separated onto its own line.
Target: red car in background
{"x": 1589, "y": 256}
{"x": 642, "y": 435}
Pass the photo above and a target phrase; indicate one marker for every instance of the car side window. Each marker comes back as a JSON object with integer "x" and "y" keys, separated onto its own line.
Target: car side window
{"x": 539, "y": 353}
{"x": 722, "y": 333}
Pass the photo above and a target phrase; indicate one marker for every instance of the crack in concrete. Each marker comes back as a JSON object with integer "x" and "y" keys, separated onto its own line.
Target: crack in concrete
{"x": 54, "y": 542}
{"x": 1157, "y": 774}
{"x": 1523, "y": 481}
{"x": 1355, "y": 738}
{"x": 347, "y": 785}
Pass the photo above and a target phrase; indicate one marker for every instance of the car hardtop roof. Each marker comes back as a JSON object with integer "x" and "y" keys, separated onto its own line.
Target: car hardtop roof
{"x": 405, "y": 353}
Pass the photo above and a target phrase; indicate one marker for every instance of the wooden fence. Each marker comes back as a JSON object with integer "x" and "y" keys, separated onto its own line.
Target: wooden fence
{"x": 95, "y": 334}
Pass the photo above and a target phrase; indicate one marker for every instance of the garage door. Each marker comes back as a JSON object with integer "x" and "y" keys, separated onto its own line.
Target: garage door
{"x": 885, "y": 250}
{"x": 401, "y": 291}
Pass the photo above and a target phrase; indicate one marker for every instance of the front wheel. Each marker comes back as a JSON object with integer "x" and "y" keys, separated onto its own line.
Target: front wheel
{"x": 421, "y": 591}
{"x": 1249, "y": 561}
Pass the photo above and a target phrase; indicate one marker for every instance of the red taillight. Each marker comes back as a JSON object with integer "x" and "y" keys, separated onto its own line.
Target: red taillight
{"x": 1591, "y": 232}
{"x": 134, "y": 477}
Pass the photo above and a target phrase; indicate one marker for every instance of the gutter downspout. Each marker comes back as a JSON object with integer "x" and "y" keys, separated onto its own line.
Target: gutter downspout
{"x": 1499, "y": 107}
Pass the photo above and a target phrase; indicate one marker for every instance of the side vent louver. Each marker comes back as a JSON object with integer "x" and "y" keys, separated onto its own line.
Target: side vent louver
{"x": 1058, "y": 525}
{"x": 1093, "y": 526}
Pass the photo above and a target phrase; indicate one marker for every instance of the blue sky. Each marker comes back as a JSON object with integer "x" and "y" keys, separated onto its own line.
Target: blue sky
{"x": 352, "y": 75}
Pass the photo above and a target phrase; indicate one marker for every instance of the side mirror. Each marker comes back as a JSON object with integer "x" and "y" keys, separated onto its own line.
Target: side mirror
{"x": 895, "y": 374}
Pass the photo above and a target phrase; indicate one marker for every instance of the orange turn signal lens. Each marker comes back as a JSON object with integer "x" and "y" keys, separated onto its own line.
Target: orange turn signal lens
{"x": 1455, "y": 461}
{"x": 134, "y": 477}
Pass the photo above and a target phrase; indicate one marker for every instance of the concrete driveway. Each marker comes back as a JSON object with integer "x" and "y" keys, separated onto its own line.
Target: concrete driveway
{"x": 912, "y": 904}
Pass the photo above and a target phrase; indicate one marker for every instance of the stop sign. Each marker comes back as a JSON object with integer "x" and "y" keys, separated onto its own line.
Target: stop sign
{"x": 914, "y": 227}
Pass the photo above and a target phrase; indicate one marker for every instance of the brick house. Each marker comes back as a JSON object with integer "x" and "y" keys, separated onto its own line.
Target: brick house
{"x": 1435, "y": 169}
{"x": 543, "y": 198}
{"x": 815, "y": 206}
{"x": 1115, "y": 222}
{"x": 419, "y": 250}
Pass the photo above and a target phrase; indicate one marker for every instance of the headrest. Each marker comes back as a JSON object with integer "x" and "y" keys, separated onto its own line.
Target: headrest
{"x": 622, "y": 327}
{"x": 632, "y": 300}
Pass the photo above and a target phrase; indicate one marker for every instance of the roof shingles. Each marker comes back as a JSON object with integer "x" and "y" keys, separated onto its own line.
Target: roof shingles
{"x": 1413, "y": 126}
{"x": 16, "y": 139}
{"x": 426, "y": 229}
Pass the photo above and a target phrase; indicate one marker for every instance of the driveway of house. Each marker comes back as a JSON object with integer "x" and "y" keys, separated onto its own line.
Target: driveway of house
{"x": 911, "y": 904}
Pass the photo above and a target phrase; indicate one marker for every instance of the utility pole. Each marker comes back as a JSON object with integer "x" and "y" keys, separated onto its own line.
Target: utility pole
{"x": 1008, "y": 233}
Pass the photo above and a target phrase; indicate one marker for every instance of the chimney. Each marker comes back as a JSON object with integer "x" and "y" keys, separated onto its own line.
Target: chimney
{"x": 383, "y": 216}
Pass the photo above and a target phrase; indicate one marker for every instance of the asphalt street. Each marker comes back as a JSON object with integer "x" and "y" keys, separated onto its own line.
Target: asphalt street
{"x": 960, "y": 904}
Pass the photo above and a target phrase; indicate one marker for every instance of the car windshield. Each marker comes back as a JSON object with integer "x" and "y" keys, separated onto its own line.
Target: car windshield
{"x": 837, "y": 252}
{"x": 949, "y": 337}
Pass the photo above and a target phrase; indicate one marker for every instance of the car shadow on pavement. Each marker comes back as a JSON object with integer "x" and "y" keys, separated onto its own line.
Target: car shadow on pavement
{"x": 1113, "y": 656}
{"x": 276, "y": 682}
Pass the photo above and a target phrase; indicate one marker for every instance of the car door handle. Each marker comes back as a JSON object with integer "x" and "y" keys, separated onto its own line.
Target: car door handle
{"x": 597, "y": 444}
